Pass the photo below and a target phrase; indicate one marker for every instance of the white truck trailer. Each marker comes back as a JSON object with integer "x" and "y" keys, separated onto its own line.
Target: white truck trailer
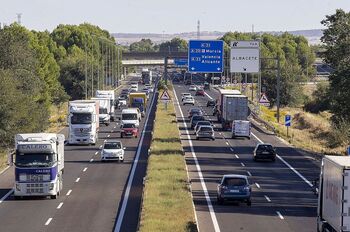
{"x": 83, "y": 120}
{"x": 104, "y": 110}
{"x": 39, "y": 164}
{"x": 110, "y": 94}
{"x": 333, "y": 213}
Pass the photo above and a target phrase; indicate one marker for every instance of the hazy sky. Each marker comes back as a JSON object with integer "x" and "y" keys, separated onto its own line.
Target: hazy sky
{"x": 156, "y": 16}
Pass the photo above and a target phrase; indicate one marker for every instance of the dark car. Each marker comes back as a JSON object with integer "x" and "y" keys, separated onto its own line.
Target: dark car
{"x": 206, "y": 85}
{"x": 194, "y": 111}
{"x": 211, "y": 102}
{"x": 200, "y": 92}
{"x": 125, "y": 91}
{"x": 195, "y": 119}
{"x": 234, "y": 188}
{"x": 264, "y": 151}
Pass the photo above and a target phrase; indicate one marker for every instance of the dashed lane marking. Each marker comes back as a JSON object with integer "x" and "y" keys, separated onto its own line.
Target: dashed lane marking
{"x": 84, "y": 170}
{"x": 279, "y": 215}
{"x": 267, "y": 198}
{"x": 249, "y": 174}
{"x": 48, "y": 221}
{"x": 60, "y": 205}
{"x": 77, "y": 180}
{"x": 237, "y": 156}
{"x": 242, "y": 164}
{"x": 91, "y": 160}
{"x": 257, "y": 185}
{"x": 69, "y": 192}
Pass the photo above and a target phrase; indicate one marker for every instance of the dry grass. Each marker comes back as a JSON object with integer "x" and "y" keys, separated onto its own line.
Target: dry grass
{"x": 3, "y": 159}
{"x": 312, "y": 132}
{"x": 58, "y": 117}
{"x": 167, "y": 203}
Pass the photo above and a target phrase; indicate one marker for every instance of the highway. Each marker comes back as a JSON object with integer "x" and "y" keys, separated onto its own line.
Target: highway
{"x": 96, "y": 196}
{"x": 282, "y": 198}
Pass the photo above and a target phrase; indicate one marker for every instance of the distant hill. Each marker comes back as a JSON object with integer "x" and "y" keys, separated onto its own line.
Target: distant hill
{"x": 313, "y": 36}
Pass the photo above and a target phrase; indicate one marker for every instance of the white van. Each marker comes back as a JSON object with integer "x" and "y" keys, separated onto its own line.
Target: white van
{"x": 131, "y": 115}
{"x": 241, "y": 128}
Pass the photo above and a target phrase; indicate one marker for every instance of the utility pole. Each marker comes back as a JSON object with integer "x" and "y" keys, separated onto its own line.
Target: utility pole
{"x": 278, "y": 88}
{"x": 166, "y": 70}
{"x": 86, "y": 93}
{"x": 19, "y": 18}
{"x": 198, "y": 30}
{"x": 92, "y": 67}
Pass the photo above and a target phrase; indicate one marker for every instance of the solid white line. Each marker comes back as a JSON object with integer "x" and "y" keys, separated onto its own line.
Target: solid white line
{"x": 91, "y": 160}
{"x": 69, "y": 192}
{"x": 288, "y": 165}
{"x": 60, "y": 205}
{"x": 279, "y": 215}
{"x": 108, "y": 136}
{"x": 249, "y": 173}
{"x": 204, "y": 187}
{"x": 267, "y": 198}
{"x": 48, "y": 221}
{"x": 242, "y": 164}
{"x": 6, "y": 196}
{"x": 132, "y": 174}
{"x": 84, "y": 170}
{"x": 237, "y": 156}
{"x": 257, "y": 185}
{"x": 77, "y": 180}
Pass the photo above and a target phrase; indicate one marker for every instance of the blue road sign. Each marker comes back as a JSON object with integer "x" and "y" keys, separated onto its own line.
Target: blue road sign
{"x": 288, "y": 120}
{"x": 348, "y": 150}
{"x": 205, "y": 56}
{"x": 180, "y": 62}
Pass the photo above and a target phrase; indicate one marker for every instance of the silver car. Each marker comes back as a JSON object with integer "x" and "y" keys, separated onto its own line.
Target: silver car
{"x": 206, "y": 132}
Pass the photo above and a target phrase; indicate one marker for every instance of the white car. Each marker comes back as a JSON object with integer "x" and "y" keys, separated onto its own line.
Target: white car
{"x": 183, "y": 95}
{"x": 192, "y": 88}
{"x": 188, "y": 100}
{"x": 134, "y": 87}
{"x": 112, "y": 150}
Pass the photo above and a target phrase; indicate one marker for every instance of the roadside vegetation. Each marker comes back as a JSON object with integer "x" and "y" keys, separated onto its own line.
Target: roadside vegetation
{"x": 167, "y": 202}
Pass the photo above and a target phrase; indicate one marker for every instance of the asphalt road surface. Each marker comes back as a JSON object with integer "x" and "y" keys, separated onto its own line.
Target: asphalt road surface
{"x": 282, "y": 198}
{"x": 96, "y": 196}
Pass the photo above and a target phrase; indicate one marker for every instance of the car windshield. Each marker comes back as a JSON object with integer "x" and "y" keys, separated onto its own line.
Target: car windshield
{"x": 35, "y": 159}
{"x": 206, "y": 128}
{"x": 113, "y": 145}
{"x": 188, "y": 98}
{"x": 129, "y": 125}
{"x": 102, "y": 111}
{"x": 132, "y": 116}
{"x": 235, "y": 181}
{"x": 265, "y": 148}
{"x": 200, "y": 123}
{"x": 79, "y": 118}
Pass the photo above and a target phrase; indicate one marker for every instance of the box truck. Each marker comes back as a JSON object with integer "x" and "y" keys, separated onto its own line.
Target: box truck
{"x": 333, "y": 213}
{"x": 110, "y": 94}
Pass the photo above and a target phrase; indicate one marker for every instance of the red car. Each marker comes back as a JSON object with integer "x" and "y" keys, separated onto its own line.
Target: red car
{"x": 129, "y": 129}
{"x": 200, "y": 92}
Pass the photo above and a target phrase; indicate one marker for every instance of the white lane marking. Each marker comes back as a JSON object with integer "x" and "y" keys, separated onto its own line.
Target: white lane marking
{"x": 112, "y": 131}
{"x": 267, "y": 198}
{"x": 84, "y": 170}
{"x": 6, "y": 196}
{"x": 237, "y": 156}
{"x": 115, "y": 126}
{"x": 208, "y": 96}
{"x": 242, "y": 164}
{"x": 96, "y": 152}
{"x": 101, "y": 145}
{"x": 231, "y": 149}
{"x": 249, "y": 174}
{"x": 288, "y": 165}
{"x": 227, "y": 144}
{"x": 279, "y": 215}
{"x": 48, "y": 221}
{"x": 132, "y": 174}
{"x": 91, "y": 160}
{"x": 257, "y": 185}
{"x": 204, "y": 187}
{"x": 108, "y": 136}
{"x": 69, "y": 192}
{"x": 60, "y": 205}
{"x": 77, "y": 180}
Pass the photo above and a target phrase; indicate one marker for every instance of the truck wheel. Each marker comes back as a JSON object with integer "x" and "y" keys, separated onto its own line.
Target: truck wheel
{"x": 54, "y": 196}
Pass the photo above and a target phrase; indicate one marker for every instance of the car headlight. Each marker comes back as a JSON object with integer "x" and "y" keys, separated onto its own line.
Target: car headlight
{"x": 22, "y": 177}
{"x": 46, "y": 177}
{"x": 52, "y": 185}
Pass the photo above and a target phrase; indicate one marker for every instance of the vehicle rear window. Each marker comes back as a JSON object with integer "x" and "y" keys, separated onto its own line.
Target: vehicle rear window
{"x": 265, "y": 148}
{"x": 129, "y": 125}
{"x": 206, "y": 129}
{"x": 235, "y": 182}
{"x": 115, "y": 145}
{"x": 197, "y": 118}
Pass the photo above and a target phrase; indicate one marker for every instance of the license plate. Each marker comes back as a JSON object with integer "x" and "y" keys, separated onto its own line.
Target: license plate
{"x": 234, "y": 191}
{"x": 265, "y": 153}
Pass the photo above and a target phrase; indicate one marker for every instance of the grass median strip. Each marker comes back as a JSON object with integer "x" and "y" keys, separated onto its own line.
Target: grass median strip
{"x": 167, "y": 202}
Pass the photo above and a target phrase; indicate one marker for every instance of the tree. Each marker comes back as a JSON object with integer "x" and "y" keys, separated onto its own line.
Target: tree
{"x": 144, "y": 45}
{"x": 174, "y": 45}
{"x": 336, "y": 41}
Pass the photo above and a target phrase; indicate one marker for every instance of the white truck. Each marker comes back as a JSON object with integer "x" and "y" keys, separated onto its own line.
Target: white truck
{"x": 110, "y": 94}
{"x": 104, "y": 110}
{"x": 333, "y": 213}
{"x": 131, "y": 116}
{"x": 83, "y": 120}
{"x": 146, "y": 76}
{"x": 39, "y": 164}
